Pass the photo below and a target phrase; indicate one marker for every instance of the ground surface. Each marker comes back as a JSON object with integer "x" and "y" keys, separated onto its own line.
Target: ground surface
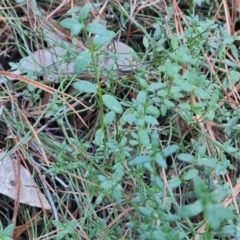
{"x": 126, "y": 116}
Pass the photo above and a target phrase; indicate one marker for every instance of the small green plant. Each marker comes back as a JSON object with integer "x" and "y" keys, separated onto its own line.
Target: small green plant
{"x": 67, "y": 231}
{"x": 6, "y": 232}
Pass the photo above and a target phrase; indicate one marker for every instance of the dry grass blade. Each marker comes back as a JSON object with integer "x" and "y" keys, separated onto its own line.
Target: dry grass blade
{"x": 47, "y": 89}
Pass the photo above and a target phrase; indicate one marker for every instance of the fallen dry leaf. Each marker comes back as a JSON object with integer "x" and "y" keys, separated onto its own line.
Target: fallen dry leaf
{"x": 29, "y": 193}
{"x": 126, "y": 58}
{"x": 51, "y": 37}
{"x": 52, "y": 62}
{"x": 46, "y": 62}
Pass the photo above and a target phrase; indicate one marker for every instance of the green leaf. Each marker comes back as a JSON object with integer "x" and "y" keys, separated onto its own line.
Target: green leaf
{"x": 145, "y": 42}
{"x": 207, "y": 236}
{"x": 129, "y": 118}
{"x": 138, "y": 161}
{"x": 7, "y": 238}
{"x": 9, "y": 229}
{"x": 61, "y": 235}
{"x": 99, "y": 136}
{"x": 108, "y": 118}
{"x": 169, "y": 104}
{"x": 202, "y": 93}
{"x": 169, "y": 217}
{"x": 153, "y": 111}
{"x": 175, "y": 182}
{"x": 148, "y": 166}
{"x": 97, "y": 29}
{"x": 57, "y": 224}
{"x": 145, "y": 211}
{"x": 111, "y": 145}
{"x": 73, "y": 10}
{"x": 215, "y": 214}
{"x": 174, "y": 42}
{"x": 191, "y": 209}
{"x": 234, "y": 51}
{"x": 117, "y": 194}
{"x": 228, "y": 40}
{"x": 207, "y": 162}
{"x": 123, "y": 141}
{"x": 139, "y": 122}
{"x": 228, "y": 230}
{"x": 82, "y": 62}
{"x": 155, "y": 140}
{"x": 112, "y": 103}
{"x": 71, "y": 225}
{"x": 85, "y": 86}
{"x": 131, "y": 225}
{"x": 158, "y": 182}
{"x": 73, "y": 25}
{"x": 102, "y": 178}
{"x": 150, "y": 120}
{"x": 192, "y": 173}
{"x": 157, "y": 34}
{"x": 99, "y": 200}
{"x": 169, "y": 150}
{"x": 99, "y": 40}
{"x": 155, "y": 86}
{"x": 163, "y": 109}
{"x": 160, "y": 161}
{"x": 199, "y": 187}
{"x": 140, "y": 110}
{"x": 176, "y": 92}
{"x": 198, "y": 2}
{"x": 119, "y": 172}
{"x": 171, "y": 68}
{"x": 186, "y": 157}
{"x": 142, "y": 96}
{"x": 232, "y": 122}
{"x": 230, "y": 63}
{"x": 133, "y": 142}
{"x": 143, "y": 137}
{"x": 107, "y": 185}
{"x": 219, "y": 195}
{"x": 162, "y": 93}
{"x": 84, "y": 11}
{"x": 138, "y": 199}
{"x": 142, "y": 82}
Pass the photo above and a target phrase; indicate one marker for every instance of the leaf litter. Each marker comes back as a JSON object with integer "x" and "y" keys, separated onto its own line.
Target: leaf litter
{"x": 29, "y": 193}
{"x": 53, "y": 59}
